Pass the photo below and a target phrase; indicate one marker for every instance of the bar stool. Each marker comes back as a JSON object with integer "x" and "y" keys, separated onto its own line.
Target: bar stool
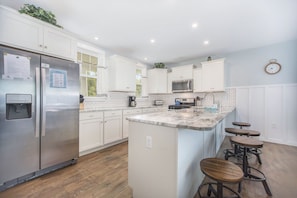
{"x": 236, "y": 152}
{"x": 221, "y": 171}
{"x": 255, "y": 151}
{"x": 250, "y": 143}
{"x": 241, "y": 124}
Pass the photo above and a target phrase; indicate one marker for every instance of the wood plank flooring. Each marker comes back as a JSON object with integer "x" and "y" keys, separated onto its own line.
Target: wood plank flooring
{"x": 105, "y": 174}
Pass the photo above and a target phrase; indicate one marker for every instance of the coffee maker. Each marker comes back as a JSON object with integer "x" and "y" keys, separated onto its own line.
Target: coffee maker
{"x": 132, "y": 101}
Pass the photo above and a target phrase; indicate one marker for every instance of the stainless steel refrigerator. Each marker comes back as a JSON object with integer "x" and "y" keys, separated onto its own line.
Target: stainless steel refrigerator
{"x": 39, "y": 115}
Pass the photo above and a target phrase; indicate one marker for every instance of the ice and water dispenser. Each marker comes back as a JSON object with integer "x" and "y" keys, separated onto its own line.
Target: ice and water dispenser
{"x": 18, "y": 106}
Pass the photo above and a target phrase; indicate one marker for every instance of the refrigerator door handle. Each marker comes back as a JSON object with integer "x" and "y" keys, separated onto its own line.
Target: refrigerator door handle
{"x": 43, "y": 95}
{"x": 37, "y": 101}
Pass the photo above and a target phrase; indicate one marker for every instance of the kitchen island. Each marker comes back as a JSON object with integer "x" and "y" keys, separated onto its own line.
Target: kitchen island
{"x": 165, "y": 150}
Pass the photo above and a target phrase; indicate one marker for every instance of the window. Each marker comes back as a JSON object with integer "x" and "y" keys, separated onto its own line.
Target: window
{"x": 88, "y": 73}
{"x": 141, "y": 81}
{"x": 138, "y": 83}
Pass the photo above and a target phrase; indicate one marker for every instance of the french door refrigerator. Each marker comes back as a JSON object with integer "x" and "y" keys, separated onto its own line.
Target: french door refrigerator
{"x": 39, "y": 115}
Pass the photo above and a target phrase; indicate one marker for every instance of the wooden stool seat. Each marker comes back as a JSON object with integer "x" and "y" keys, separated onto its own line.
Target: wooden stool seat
{"x": 221, "y": 171}
{"x": 236, "y": 131}
{"x": 241, "y": 124}
{"x": 246, "y": 142}
{"x": 253, "y": 133}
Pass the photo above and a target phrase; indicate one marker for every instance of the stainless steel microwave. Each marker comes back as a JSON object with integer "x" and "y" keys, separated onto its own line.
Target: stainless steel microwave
{"x": 182, "y": 86}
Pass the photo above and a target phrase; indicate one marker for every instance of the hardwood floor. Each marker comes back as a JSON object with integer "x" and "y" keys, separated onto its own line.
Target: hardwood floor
{"x": 105, "y": 174}
{"x": 100, "y": 174}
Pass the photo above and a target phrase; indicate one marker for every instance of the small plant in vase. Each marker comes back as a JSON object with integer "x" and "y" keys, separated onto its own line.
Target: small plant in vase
{"x": 159, "y": 65}
{"x": 39, "y": 13}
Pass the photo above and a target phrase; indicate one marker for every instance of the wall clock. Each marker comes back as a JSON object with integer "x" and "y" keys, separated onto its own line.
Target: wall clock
{"x": 273, "y": 67}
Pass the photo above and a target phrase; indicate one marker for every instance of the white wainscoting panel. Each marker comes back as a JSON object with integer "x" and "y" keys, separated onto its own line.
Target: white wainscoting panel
{"x": 242, "y": 104}
{"x": 271, "y": 110}
{"x": 274, "y": 114}
{"x": 290, "y": 117}
{"x": 257, "y": 108}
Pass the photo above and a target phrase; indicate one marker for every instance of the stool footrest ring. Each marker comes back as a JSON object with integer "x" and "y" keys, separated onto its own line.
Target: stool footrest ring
{"x": 252, "y": 177}
{"x": 211, "y": 189}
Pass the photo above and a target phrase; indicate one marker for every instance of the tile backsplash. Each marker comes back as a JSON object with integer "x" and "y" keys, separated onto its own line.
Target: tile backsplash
{"x": 225, "y": 99}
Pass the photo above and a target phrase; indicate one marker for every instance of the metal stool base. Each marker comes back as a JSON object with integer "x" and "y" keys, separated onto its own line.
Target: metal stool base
{"x": 218, "y": 193}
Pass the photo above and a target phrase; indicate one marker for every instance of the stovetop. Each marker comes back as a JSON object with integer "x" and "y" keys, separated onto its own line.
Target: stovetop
{"x": 179, "y": 106}
{"x": 182, "y": 103}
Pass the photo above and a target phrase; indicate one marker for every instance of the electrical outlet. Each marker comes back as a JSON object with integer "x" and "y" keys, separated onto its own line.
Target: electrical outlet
{"x": 149, "y": 142}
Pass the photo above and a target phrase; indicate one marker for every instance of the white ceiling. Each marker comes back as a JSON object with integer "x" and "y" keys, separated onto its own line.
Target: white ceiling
{"x": 126, "y": 27}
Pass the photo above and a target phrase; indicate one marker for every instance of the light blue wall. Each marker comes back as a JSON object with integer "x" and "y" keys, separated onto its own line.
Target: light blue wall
{"x": 246, "y": 68}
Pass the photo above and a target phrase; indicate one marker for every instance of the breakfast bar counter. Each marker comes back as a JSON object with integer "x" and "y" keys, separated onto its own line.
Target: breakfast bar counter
{"x": 165, "y": 150}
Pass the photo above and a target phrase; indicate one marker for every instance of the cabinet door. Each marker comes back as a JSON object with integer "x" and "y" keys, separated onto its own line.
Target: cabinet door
{"x": 19, "y": 31}
{"x": 182, "y": 72}
{"x": 157, "y": 81}
{"x": 213, "y": 75}
{"x": 112, "y": 126}
{"x": 209, "y": 143}
{"x": 90, "y": 134}
{"x": 122, "y": 74}
{"x": 102, "y": 80}
{"x": 197, "y": 78}
{"x": 59, "y": 44}
{"x": 219, "y": 136}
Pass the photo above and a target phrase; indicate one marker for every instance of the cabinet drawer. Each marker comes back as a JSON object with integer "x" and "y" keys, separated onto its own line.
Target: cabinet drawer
{"x": 90, "y": 115}
{"x": 112, "y": 113}
{"x": 132, "y": 111}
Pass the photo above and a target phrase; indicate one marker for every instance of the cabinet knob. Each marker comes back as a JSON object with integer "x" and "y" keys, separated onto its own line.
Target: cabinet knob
{"x": 45, "y": 47}
{"x": 40, "y": 45}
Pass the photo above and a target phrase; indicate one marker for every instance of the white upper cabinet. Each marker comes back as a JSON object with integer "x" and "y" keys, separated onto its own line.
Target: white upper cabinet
{"x": 197, "y": 79}
{"x": 57, "y": 43}
{"x": 184, "y": 72}
{"x": 210, "y": 76}
{"x": 122, "y": 74}
{"x": 157, "y": 81}
{"x": 213, "y": 75}
{"x": 25, "y": 32}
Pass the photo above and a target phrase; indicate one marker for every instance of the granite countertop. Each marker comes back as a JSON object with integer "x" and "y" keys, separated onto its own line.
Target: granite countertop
{"x": 189, "y": 119}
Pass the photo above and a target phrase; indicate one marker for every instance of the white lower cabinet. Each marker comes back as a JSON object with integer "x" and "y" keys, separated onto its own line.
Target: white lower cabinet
{"x": 219, "y": 135}
{"x": 90, "y": 131}
{"x": 127, "y": 113}
{"x": 112, "y": 126}
{"x": 209, "y": 143}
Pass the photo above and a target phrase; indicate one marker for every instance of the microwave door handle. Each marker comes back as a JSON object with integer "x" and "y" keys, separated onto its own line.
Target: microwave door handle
{"x": 37, "y": 101}
{"x": 189, "y": 84}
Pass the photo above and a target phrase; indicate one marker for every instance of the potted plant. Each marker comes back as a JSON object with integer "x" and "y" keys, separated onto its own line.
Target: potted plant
{"x": 40, "y": 14}
{"x": 159, "y": 65}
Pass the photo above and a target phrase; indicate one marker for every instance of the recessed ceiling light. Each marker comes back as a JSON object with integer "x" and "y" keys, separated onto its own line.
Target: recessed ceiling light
{"x": 96, "y": 38}
{"x": 145, "y": 58}
{"x": 153, "y": 41}
{"x": 194, "y": 25}
{"x": 206, "y": 42}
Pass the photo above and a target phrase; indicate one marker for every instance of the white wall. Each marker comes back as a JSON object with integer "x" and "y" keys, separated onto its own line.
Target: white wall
{"x": 246, "y": 68}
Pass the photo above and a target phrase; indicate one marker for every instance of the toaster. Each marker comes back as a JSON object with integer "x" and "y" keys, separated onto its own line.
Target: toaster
{"x": 158, "y": 102}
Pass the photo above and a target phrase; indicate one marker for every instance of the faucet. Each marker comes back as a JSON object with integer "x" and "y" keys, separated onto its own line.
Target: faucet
{"x": 213, "y": 96}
